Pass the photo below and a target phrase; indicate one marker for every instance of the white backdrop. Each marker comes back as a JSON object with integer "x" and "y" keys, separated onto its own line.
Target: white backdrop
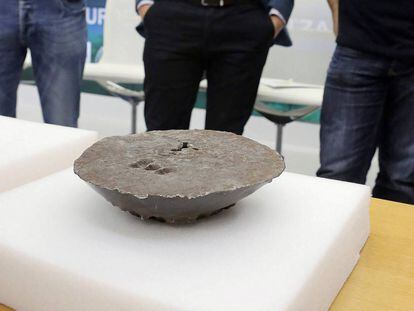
{"x": 313, "y": 44}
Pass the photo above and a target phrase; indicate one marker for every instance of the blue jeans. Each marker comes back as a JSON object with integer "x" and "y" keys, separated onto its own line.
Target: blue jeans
{"x": 55, "y": 32}
{"x": 369, "y": 104}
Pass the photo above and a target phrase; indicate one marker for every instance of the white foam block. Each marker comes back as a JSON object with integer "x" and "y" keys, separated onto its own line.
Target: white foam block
{"x": 289, "y": 246}
{"x": 33, "y": 150}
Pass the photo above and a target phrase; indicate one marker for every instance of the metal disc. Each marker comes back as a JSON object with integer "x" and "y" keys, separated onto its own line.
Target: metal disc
{"x": 177, "y": 175}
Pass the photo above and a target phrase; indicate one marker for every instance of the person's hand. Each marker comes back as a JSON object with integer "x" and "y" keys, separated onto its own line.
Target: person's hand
{"x": 143, "y": 10}
{"x": 278, "y": 24}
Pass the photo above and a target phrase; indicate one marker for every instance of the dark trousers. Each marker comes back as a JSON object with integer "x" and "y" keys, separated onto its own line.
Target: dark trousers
{"x": 55, "y": 32}
{"x": 369, "y": 103}
{"x": 184, "y": 40}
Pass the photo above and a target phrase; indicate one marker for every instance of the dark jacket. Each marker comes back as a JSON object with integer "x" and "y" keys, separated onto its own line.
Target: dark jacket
{"x": 285, "y": 8}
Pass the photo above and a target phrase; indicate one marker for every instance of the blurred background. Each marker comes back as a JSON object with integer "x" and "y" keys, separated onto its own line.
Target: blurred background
{"x": 307, "y": 61}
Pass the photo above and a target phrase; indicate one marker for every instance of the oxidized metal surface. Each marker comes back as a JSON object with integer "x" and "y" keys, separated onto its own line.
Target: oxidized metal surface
{"x": 178, "y": 175}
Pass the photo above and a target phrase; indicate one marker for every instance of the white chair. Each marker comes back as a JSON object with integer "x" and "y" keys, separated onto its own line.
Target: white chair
{"x": 287, "y": 92}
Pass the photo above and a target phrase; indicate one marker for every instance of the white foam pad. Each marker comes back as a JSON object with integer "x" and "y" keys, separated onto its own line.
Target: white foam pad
{"x": 33, "y": 150}
{"x": 289, "y": 246}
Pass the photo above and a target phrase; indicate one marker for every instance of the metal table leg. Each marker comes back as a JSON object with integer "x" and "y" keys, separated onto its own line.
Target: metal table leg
{"x": 134, "y": 105}
{"x": 279, "y": 137}
{"x": 132, "y": 97}
{"x": 281, "y": 118}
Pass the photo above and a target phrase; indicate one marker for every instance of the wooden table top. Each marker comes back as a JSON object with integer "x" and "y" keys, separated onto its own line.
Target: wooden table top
{"x": 384, "y": 276}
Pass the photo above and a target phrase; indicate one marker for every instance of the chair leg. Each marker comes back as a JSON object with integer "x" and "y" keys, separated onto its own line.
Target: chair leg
{"x": 134, "y": 105}
{"x": 132, "y": 97}
{"x": 279, "y": 138}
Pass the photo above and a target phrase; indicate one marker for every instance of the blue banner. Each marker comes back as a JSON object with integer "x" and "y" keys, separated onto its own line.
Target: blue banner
{"x": 95, "y": 18}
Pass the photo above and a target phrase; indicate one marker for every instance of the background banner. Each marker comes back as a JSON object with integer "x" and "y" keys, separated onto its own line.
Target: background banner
{"x": 95, "y": 18}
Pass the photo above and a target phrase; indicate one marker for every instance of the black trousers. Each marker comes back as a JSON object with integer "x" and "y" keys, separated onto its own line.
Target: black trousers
{"x": 184, "y": 41}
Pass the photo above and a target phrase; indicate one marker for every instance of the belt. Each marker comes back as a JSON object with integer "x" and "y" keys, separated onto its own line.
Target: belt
{"x": 221, "y": 3}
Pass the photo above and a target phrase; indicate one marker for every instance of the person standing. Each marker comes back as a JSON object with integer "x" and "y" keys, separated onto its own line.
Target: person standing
{"x": 227, "y": 40}
{"x": 369, "y": 97}
{"x": 55, "y": 32}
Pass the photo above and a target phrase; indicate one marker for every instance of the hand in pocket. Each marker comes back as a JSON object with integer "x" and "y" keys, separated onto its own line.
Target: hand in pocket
{"x": 278, "y": 24}
{"x": 143, "y": 10}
